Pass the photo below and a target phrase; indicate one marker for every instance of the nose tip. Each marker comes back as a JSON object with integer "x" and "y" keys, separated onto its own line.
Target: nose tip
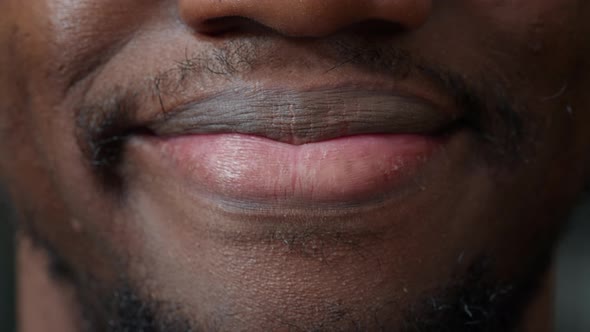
{"x": 304, "y": 18}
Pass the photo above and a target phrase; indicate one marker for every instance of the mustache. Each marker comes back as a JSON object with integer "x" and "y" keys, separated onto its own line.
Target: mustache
{"x": 107, "y": 120}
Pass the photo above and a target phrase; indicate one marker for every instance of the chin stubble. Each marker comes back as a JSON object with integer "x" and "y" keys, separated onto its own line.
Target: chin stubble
{"x": 473, "y": 300}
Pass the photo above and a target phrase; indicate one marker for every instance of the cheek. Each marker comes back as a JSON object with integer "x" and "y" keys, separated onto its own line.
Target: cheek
{"x": 67, "y": 40}
{"x": 536, "y": 41}
{"x": 517, "y": 8}
{"x": 530, "y": 22}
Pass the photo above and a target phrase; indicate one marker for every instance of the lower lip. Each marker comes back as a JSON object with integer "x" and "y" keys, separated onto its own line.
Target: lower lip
{"x": 248, "y": 168}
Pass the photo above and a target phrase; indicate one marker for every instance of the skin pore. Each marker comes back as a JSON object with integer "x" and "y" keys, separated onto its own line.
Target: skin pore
{"x": 122, "y": 229}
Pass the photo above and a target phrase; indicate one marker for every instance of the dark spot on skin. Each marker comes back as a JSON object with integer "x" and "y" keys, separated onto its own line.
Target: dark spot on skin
{"x": 536, "y": 43}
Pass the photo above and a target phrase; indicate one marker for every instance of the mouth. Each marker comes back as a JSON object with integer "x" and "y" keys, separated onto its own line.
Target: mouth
{"x": 344, "y": 145}
{"x": 292, "y": 123}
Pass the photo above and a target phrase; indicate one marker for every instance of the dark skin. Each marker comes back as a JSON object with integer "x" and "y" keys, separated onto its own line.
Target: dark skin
{"x": 475, "y": 223}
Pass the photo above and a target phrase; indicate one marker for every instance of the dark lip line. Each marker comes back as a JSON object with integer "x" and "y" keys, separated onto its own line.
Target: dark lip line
{"x": 305, "y": 116}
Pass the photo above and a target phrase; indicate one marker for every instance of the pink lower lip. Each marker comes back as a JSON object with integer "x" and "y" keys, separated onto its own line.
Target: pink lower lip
{"x": 248, "y": 168}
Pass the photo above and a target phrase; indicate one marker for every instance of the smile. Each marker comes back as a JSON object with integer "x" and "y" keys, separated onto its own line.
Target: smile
{"x": 325, "y": 146}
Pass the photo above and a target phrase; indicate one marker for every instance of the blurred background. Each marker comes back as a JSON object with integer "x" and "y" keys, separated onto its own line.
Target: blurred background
{"x": 573, "y": 272}
{"x": 6, "y": 267}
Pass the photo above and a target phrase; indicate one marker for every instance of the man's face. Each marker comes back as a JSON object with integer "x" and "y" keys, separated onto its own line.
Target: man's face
{"x": 296, "y": 165}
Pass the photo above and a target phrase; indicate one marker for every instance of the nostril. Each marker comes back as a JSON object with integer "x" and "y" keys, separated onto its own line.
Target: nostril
{"x": 221, "y": 26}
{"x": 303, "y": 18}
{"x": 375, "y": 28}
{"x": 231, "y": 24}
{"x": 218, "y": 25}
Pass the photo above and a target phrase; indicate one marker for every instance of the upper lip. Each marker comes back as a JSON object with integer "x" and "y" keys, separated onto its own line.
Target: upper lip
{"x": 305, "y": 116}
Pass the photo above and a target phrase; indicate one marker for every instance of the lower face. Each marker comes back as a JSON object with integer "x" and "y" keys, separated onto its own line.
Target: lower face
{"x": 238, "y": 232}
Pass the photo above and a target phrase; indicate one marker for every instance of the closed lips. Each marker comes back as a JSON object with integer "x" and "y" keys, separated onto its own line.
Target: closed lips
{"x": 325, "y": 146}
